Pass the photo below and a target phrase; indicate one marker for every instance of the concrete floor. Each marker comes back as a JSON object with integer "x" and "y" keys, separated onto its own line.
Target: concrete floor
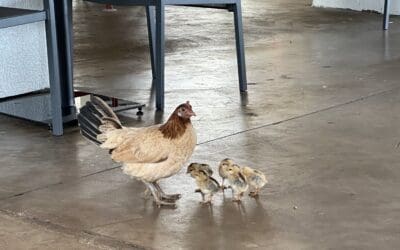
{"x": 321, "y": 119}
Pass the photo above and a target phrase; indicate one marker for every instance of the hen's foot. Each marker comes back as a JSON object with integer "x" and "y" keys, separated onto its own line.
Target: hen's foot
{"x": 170, "y": 197}
{"x": 205, "y": 202}
{"x": 160, "y": 203}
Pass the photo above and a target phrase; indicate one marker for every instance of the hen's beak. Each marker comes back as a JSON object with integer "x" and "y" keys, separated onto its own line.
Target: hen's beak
{"x": 191, "y": 113}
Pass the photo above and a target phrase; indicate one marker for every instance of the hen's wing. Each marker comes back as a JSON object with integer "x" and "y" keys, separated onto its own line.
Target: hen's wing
{"x": 145, "y": 145}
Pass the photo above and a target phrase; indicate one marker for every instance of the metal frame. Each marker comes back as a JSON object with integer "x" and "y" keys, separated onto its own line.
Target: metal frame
{"x": 155, "y": 11}
{"x": 386, "y": 14}
{"x": 10, "y": 17}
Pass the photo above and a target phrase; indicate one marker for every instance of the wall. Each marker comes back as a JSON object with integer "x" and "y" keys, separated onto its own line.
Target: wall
{"x": 375, "y": 5}
{"x": 23, "y": 55}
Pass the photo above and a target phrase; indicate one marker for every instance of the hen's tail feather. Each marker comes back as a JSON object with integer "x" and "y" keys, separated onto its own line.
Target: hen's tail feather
{"x": 95, "y": 119}
{"x": 90, "y": 137}
{"x": 88, "y": 126}
{"x": 104, "y": 107}
{"x": 90, "y": 116}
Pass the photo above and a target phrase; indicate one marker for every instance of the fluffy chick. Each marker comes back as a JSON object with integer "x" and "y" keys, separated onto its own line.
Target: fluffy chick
{"x": 193, "y": 167}
{"x": 237, "y": 182}
{"x": 208, "y": 186}
{"x": 223, "y": 170}
{"x": 199, "y": 166}
{"x": 256, "y": 180}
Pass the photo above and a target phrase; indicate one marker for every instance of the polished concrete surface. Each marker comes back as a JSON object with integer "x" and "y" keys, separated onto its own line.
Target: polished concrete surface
{"x": 321, "y": 119}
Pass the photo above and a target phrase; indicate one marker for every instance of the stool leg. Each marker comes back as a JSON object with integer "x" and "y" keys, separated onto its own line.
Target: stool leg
{"x": 237, "y": 12}
{"x": 54, "y": 73}
{"x": 151, "y": 27}
{"x": 160, "y": 16}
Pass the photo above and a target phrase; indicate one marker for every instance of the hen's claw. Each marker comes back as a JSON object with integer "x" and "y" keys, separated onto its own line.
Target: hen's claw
{"x": 172, "y": 197}
{"x": 160, "y": 203}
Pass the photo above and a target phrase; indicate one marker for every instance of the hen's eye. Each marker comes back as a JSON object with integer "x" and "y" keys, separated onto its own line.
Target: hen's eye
{"x": 183, "y": 109}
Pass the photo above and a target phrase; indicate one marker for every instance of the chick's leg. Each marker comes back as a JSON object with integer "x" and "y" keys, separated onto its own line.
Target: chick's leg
{"x": 157, "y": 196}
{"x": 254, "y": 193}
{"x": 236, "y": 196}
{"x": 222, "y": 185}
{"x": 163, "y": 196}
{"x": 208, "y": 198}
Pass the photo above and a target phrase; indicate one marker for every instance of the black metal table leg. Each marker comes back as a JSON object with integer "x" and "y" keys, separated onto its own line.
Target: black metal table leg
{"x": 65, "y": 51}
{"x": 160, "y": 50}
{"x": 386, "y": 14}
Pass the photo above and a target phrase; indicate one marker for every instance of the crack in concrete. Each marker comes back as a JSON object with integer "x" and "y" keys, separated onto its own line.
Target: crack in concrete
{"x": 58, "y": 183}
{"x": 86, "y": 236}
{"x": 383, "y": 92}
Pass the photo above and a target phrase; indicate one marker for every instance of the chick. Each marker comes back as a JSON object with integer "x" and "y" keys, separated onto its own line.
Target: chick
{"x": 237, "y": 182}
{"x": 196, "y": 167}
{"x": 256, "y": 180}
{"x": 208, "y": 186}
{"x": 223, "y": 170}
{"x": 199, "y": 166}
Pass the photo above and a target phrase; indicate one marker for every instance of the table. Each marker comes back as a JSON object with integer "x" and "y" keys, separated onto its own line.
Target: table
{"x": 10, "y": 17}
{"x": 155, "y": 11}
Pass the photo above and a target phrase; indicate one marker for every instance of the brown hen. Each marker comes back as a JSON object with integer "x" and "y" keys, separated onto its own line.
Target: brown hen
{"x": 148, "y": 153}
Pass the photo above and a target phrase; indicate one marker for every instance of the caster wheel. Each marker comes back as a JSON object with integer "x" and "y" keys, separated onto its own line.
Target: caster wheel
{"x": 140, "y": 112}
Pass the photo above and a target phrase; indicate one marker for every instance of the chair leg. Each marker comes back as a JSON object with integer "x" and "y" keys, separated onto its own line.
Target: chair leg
{"x": 151, "y": 27}
{"x": 237, "y": 11}
{"x": 52, "y": 53}
{"x": 160, "y": 16}
{"x": 386, "y": 15}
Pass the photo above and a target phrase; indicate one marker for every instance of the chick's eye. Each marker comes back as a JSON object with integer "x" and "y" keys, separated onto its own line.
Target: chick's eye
{"x": 183, "y": 109}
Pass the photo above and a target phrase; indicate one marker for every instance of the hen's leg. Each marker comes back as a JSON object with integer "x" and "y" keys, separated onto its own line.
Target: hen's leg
{"x": 157, "y": 196}
{"x": 146, "y": 193}
{"x": 172, "y": 197}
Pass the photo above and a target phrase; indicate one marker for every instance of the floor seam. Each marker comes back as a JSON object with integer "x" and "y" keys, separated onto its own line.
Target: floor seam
{"x": 383, "y": 92}
{"x": 58, "y": 183}
{"x": 85, "y": 236}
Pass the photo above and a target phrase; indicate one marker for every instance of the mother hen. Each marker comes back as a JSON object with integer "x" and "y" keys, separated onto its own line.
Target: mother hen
{"x": 148, "y": 153}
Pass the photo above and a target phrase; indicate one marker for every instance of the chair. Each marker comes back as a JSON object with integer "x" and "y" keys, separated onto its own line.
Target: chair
{"x": 10, "y": 17}
{"x": 155, "y": 12}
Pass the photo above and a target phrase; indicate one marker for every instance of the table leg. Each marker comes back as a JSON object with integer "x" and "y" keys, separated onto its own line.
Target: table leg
{"x": 54, "y": 73}
{"x": 386, "y": 15}
{"x": 151, "y": 27}
{"x": 237, "y": 11}
{"x": 160, "y": 50}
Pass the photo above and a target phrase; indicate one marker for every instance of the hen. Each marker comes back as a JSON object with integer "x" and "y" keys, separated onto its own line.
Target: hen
{"x": 148, "y": 153}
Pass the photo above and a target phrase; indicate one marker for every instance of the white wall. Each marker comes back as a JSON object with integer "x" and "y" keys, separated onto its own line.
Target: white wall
{"x": 23, "y": 55}
{"x": 376, "y": 5}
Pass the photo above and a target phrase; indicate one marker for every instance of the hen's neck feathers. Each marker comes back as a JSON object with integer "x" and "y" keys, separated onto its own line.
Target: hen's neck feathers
{"x": 174, "y": 127}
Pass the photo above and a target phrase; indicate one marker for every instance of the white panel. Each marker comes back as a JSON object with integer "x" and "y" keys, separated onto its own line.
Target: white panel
{"x": 23, "y": 55}
{"x": 375, "y": 5}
